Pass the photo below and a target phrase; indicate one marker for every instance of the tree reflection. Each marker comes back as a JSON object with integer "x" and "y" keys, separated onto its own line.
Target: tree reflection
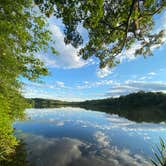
{"x": 134, "y": 114}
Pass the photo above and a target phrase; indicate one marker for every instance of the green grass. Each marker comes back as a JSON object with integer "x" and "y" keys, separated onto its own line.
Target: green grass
{"x": 160, "y": 155}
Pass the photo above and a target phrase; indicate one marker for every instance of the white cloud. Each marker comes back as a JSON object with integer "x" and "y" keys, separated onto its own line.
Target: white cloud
{"x": 56, "y": 91}
{"x": 143, "y": 78}
{"x": 28, "y": 92}
{"x": 87, "y": 85}
{"x": 68, "y": 55}
{"x": 131, "y": 86}
{"x": 160, "y": 86}
{"x": 102, "y": 139}
{"x": 60, "y": 84}
{"x": 129, "y": 54}
{"x": 42, "y": 90}
{"x": 101, "y": 73}
{"x": 152, "y": 73}
{"x": 147, "y": 76}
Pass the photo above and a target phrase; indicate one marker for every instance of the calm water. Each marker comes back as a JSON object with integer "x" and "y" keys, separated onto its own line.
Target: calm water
{"x": 79, "y": 137}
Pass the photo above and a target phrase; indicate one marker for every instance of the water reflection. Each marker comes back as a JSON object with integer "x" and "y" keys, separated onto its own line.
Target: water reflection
{"x": 144, "y": 114}
{"x": 74, "y": 136}
{"x": 69, "y": 151}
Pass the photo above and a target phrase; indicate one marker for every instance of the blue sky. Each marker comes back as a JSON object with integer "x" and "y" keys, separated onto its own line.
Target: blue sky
{"x": 74, "y": 79}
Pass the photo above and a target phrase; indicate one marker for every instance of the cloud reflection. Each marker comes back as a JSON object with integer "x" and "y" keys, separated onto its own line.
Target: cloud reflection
{"x": 69, "y": 151}
{"x": 52, "y": 151}
{"x": 90, "y": 119}
{"x": 94, "y": 145}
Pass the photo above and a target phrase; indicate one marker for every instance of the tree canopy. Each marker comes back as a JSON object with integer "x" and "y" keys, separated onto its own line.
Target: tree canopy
{"x": 23, "y": 32}
{"x": 113, "y": 25}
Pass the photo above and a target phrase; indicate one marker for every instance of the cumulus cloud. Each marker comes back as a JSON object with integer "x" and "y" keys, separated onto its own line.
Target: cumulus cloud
{"x": 104, "y": 72}
{"x": 68, "y": 55}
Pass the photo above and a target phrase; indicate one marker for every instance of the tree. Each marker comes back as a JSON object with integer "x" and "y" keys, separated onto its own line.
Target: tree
{"x": 113, "y": 25}
{"x": 23, "y": 32}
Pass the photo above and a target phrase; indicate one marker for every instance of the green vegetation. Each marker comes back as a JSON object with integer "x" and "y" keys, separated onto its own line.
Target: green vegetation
{"x": 19, "y": 158}
{"x": 141, "y": 106}
{"x": 112, "y": 26}
{"x": 47, "y": 103}
{"x": 160, "y": 154}
{"x": 23, "y": 32}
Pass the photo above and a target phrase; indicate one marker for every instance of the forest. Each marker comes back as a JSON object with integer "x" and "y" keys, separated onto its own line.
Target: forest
{"x": 112, "y": 28}
{"x": 140, "y": 106}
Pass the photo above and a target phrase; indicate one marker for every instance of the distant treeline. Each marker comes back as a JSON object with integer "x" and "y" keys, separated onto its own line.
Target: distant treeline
{"x": 47, "y": 103}
{"x": 133, "y": 100}
{"x": 140, "y": 106}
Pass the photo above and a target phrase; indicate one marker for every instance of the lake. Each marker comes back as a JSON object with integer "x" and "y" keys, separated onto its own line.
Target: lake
{"x": 79, "y": 137}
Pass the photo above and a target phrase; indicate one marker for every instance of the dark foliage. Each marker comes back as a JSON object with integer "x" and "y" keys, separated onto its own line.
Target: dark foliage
{"x": 141, "y": 106}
